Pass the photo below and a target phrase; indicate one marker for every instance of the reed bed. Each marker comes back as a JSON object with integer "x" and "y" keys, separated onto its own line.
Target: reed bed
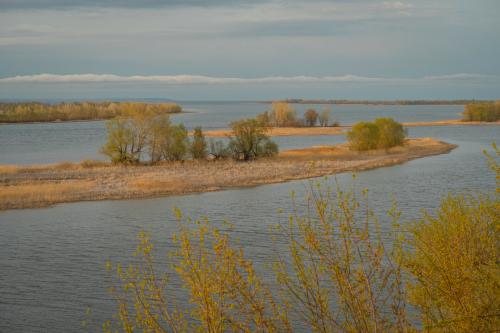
{"x": 35, "y": 195}
{"x": 43, "y": 186}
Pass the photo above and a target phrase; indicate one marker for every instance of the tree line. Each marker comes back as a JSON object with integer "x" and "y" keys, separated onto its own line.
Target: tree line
{"x": 397, "y": 102}
{"x": 140, "y": 133}
{"x": 282, "y": 114}
{"x": 25, "y": 112}
{"x": 482, "y": 112}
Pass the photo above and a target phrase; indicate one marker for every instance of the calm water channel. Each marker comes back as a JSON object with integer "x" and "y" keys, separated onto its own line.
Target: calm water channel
{"x": 53, "y": 260}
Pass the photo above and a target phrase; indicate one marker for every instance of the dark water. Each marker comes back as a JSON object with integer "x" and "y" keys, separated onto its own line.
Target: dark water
{"x": 53, "y": 260}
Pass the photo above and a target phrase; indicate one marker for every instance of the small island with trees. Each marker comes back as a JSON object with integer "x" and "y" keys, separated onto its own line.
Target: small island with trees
{"x": 150, "y": 157}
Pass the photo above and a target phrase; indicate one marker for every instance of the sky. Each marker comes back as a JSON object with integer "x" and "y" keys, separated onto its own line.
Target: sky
{"x": 250, "y": 50}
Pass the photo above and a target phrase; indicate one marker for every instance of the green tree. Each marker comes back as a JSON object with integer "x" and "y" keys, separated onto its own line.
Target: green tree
{"x": 384, "y": 133}
{"x": 249, "y": 139}
{"x": 482, "y": 112}
{"x": 199, "y": 147}
{"x": 311, "y": 117}
{"x": 364, "y": 136}
{"x": 175, "y": 148}
{"x": 119, "y": 138}
{"x": 392, "y": 133}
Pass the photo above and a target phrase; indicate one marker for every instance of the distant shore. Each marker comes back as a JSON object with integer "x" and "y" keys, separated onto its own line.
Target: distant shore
{"x": 47, "y": 185}
{"x": 324, "y": 130}
{"x": 80, "y": 121}
{"x": 459, "y": 102}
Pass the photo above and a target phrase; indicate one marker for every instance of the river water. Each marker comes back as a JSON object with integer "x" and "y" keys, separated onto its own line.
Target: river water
{"x": 53, "y": 261}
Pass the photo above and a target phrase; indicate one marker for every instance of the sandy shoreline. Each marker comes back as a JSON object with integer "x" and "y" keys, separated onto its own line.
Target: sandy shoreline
{"x": 44, "y": 186}
{"x": 321, "y": 130}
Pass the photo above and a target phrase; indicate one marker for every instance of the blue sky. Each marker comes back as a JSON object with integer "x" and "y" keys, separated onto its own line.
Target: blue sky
{"x": 250, "y": 50}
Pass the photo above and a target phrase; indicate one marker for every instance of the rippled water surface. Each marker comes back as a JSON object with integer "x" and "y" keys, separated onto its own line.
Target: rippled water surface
{"x": 53, "y": 260}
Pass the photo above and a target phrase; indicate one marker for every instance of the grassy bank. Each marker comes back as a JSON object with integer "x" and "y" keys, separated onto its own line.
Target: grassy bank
{"x": 43, "y": 186}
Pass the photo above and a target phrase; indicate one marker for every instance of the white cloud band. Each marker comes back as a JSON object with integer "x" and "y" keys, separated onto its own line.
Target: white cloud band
{"x": 204, "y": 80}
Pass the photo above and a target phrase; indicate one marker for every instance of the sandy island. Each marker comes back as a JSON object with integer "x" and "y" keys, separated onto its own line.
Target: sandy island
{"x": 319, "y": 130}
{"x": 46, "y": 185}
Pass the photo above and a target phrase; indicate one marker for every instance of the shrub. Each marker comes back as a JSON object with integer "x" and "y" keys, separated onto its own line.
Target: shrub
{"x": 339, "y": 276}
{"x": 384, "y": 133}
{"x": 453, "y": 262}
{"x": 364, "y": 136}
{"x": 392, "y": 133}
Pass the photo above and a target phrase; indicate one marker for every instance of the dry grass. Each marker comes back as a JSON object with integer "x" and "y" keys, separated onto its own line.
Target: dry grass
{"x": 40, "y": 195}
{"x": 43, "y": 186}
{"x": 286, "y": 131}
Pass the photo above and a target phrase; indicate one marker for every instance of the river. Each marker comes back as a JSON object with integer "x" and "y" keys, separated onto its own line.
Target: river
{"x": 54, "y": 260}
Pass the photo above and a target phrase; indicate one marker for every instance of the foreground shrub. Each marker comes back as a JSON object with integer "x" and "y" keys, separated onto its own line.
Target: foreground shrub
{"x": 453, "y": 263}
{"x": 332, "y": 273}
{"x": 383, "y": 133}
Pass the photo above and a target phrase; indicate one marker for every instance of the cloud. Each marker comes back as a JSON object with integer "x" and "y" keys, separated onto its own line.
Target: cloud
{"x": 397, "y": 5}
{"x": 205, "y": 80}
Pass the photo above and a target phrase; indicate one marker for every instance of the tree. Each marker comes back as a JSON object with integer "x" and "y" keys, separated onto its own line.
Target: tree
{"x": 364, "y": 136}
{"x": 283, "y": 115}
{"x": 159, "y": 134}
{"x": 138, "y": 121}
{"x": 324, "y": 118}
{"x": 311, "y": 117}
{"x": 249, "y": 139}
{"x": 117, "y": 146}
{"x": 392, "y": 133}
{"x": 218, "y": 150}
{"x": 198, "y": 148}
{"x": 175, "y": 148}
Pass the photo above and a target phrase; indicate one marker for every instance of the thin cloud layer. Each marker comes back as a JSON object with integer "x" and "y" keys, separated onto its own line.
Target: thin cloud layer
{"x": 205, "y": 80}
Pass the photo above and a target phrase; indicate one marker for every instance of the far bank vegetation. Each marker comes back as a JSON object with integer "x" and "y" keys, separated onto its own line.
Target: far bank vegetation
{"x": 28, "y": 112}
{"x": 397, "y": 102}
